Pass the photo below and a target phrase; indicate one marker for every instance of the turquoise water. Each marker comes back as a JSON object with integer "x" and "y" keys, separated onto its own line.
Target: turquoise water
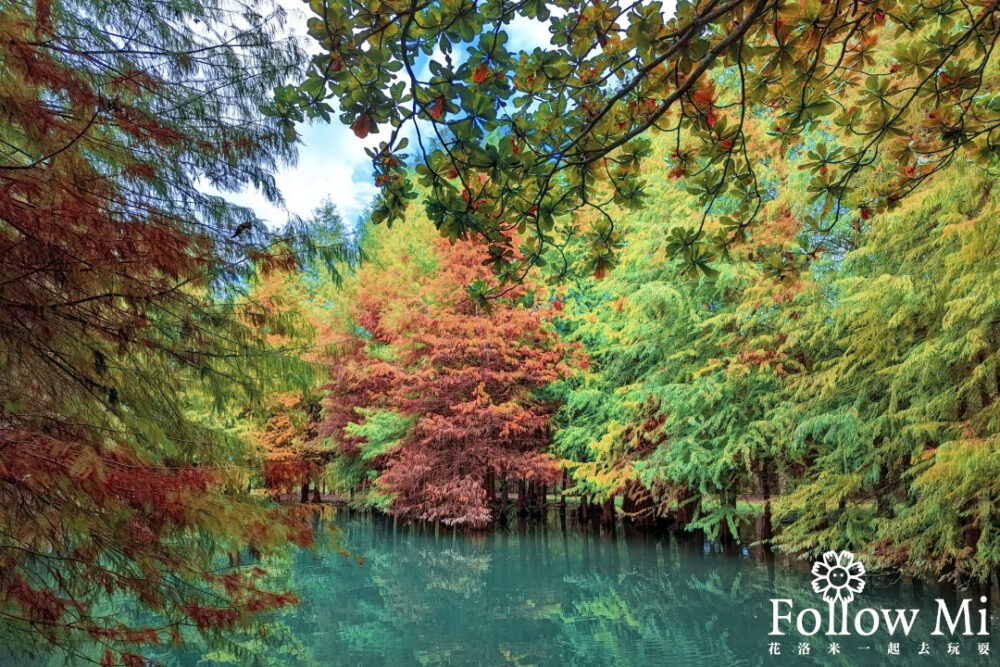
{"x": 541, "y": 595}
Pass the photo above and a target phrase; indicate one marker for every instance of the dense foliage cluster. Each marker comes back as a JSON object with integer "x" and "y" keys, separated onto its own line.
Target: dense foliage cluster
{"x": 855, "y": 401}
{"x": 127, "y": 344}
{"x": 778, "y": 323}
{"x": 513, "y": 139}
{"x": 438, "y": 404}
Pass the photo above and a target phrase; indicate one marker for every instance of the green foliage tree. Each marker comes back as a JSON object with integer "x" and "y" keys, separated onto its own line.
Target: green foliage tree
{"x": 684, "y": 374}
{"x": 858, "y": 397}
{"x": 895, "y": 420}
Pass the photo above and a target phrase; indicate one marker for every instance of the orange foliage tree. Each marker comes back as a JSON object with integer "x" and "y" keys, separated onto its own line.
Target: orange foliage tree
{"x": 294, "y": 457}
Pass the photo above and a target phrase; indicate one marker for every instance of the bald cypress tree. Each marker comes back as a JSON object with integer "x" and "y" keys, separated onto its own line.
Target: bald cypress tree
{"x": 897, "y": 419}
{"x": 123, "y": 316}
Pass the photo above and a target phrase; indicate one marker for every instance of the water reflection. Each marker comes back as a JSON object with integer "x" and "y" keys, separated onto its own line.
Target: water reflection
{"x": 542, "y": 595}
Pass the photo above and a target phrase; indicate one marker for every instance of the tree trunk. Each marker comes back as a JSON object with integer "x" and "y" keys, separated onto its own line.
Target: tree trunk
{"x": 304, "y": 498}
{"x": 971, "y": 532}
{"x": 725, "y": 534}
{"x": 608, "y": 513}
{"x": 489, "y": 486}
{"x": 562, "y": 498}
{"x": 628, "y": 505}
{"x": 762, "y": 488}
{"x": 684, "y": 514}
{"x": 504, "y": 499}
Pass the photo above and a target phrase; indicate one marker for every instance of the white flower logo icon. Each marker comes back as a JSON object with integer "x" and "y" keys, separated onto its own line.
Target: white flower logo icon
{"x": 838, "y": 576}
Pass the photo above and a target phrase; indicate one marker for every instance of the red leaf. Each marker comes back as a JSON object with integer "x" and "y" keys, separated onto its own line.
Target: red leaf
{"x": 362, "y": 126}
{"x": 437, "y": 108}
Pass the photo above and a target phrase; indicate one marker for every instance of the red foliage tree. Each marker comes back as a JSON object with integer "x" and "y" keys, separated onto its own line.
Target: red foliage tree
{"x": 467, "y": 372}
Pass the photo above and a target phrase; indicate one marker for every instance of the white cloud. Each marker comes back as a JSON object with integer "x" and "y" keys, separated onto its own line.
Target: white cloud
{"x": 332, "y": 164}
{"x": 524, "y": 34}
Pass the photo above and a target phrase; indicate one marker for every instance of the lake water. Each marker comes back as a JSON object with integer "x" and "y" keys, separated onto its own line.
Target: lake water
{"x": 541, "y": 595}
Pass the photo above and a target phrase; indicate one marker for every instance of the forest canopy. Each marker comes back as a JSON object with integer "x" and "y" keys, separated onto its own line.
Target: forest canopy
{"x": 518, "y": 140}
{"x": 851, "y": 406}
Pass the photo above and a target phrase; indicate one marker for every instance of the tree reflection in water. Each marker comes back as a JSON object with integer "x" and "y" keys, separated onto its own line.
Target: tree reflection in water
{"x": 542, "y": 594}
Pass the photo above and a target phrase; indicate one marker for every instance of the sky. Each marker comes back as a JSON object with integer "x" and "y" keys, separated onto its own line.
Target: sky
{"x": 332, "y": 161}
